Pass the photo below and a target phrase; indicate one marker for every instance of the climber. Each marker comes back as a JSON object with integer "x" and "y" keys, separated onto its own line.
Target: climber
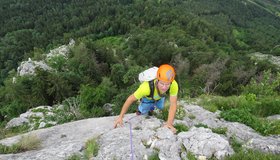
{"x": 151, "y": 95}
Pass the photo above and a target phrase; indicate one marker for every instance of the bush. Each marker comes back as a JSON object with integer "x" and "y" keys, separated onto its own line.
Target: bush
{"x": 227, "y": 103}
{"x": 74, "y": 157}
{"x": 121, "y": 97}
{"x": 13, "y": 109}
{"x": 235, "y": 144}
{"x": 267, "y": 106}
{"x": 190, "y": 156}
{"x": 272, "y": 127}
{"x": 29, "y": 142}
{"x": 180, "y": 112}
{"x": 220, "y": 130}
{"x": 72, "y": 106}
{"x": 252, "y": 154}
{"x": 263, "y": 85}
{"x": 206, "y": 102}
{"x": 91, "y": 148}
{"x": 246, "y": 109}
{"x": 201, "y": 125}
{"x": 4, "y": 133}
{"x": 181, "y": 127}
{"x": 239, "y": 115}
{"x": 239, "y": 102}
{"x": 26, "y": 143}
{"x": 154, "y": 156}
{"x": 93, "y": 98}
{"x": 244, "y": 116}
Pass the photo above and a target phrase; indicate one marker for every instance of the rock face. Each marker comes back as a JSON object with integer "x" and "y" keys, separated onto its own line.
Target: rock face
{"x": 28, "y": 67}
{"x": 62, "y": 141}
{"x": 143, "y": 136}
{"x": 274, "y": 117}
{"x": 272, "y": 59}
{"x": 243, "y": 133}
{"x": 62, "y": 50}
{"x": 206, "y": 143}
{"x": 39, "y": 113}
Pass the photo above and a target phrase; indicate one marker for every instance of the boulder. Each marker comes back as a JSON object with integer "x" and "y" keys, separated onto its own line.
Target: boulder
{"x": 203, "y": 142}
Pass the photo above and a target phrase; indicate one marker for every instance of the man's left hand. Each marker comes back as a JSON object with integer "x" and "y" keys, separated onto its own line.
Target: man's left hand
{"x": 171, "y": 127}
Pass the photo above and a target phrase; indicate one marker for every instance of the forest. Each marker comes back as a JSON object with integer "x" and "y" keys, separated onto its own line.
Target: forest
{"x": 209, "y": 42}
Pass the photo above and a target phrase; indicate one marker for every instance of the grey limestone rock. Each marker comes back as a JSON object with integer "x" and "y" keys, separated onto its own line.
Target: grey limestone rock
{"x": 142, "y": 136}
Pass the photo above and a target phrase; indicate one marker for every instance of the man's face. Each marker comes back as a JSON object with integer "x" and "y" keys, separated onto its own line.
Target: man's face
{"x": 163, "y": 86}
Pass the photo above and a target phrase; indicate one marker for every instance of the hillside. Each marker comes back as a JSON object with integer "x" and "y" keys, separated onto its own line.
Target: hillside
{"x": 240, "y": 26}
{"x": 272, "y": 6}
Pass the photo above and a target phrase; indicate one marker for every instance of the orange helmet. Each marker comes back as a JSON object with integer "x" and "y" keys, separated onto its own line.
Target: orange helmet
{"x": 166, "y": 73}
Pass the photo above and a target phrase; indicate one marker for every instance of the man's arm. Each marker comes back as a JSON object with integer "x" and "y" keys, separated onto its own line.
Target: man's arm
{"x": 127, "y": 104}
{"x": 171, "y": 114}
{"x": 172, "y": 109}
{"x": 125, "y": 107}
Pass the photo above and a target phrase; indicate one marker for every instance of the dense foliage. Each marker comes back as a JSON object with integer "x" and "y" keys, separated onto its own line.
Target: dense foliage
{"x": 208, "y": 42}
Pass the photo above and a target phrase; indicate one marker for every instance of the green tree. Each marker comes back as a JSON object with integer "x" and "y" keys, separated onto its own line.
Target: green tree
{"x": 83, "y": 62}
{"x": 58, "y": 63}
{"x": 17, "y": 96}
{"x": 117, "y": 73}
{"x": 131, "y": 75}
{"x": 12, "y": 47}
{"x": 93, "y": 98}
{"x": 265, "y": 84}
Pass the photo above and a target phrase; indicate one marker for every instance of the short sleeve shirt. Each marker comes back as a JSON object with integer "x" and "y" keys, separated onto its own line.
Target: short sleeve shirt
{"x": 144, "y": 90}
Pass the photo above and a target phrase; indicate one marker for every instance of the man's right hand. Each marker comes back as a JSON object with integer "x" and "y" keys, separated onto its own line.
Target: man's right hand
{"x": 118, "y": 122}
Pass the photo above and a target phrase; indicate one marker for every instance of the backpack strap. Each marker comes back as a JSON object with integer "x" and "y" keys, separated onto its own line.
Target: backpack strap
{"x": 152, "y": 87}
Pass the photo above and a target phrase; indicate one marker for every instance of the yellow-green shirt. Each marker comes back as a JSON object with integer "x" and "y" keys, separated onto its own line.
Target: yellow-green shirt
{"x": 144, "y": 90}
